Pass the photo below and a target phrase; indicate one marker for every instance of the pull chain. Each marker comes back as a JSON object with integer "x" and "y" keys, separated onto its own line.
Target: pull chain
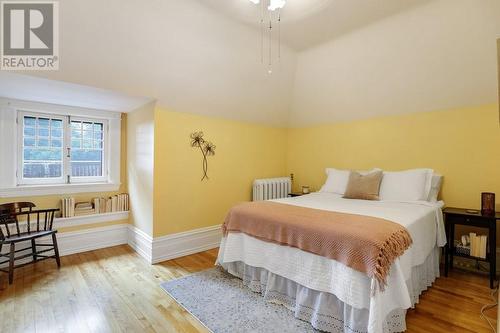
{"x": 271, "y": 7}
{"x": 262, "y": 33}
{"x": 270, "y": 70}
{"x": 279, "y": 34}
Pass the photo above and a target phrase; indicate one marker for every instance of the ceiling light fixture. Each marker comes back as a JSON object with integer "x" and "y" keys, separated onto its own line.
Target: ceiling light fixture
{"x": 273, "y": 15}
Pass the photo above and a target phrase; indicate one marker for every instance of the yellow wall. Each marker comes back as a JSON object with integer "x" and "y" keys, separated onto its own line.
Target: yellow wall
{"x": 244, "y": 152}
{"x": 162, "y": 172}
{"x": 463, "y": 145}
{"x": 498, "y": 69}
{"x": 54, "y": 201}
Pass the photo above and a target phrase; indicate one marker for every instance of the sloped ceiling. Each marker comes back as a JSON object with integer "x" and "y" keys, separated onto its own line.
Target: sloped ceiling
{"x": 35, "y": 89}
{"x": 341, "y": 59}
{"x": 438, "y": 56}
{"x": 188, "y": 57}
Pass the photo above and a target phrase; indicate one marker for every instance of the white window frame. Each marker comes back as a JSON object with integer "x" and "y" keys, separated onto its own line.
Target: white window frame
{"x": 66, "y": 176}
{"x": 105, "y": 157}
{"x": 20, "y": 153}
{"x": 9, "y": 146}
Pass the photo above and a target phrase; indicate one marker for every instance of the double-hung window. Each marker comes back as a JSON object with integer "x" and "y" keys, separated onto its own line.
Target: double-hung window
{"x": 56, "y": 149}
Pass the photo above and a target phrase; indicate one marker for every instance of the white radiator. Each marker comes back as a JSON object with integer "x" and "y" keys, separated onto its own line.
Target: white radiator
{"x": 271, "y": 188}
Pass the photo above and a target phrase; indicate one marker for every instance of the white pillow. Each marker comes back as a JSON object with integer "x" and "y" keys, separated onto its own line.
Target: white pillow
{"x": 408, "y": 185}
{"x": 435, "y": 187}
{"x": 336, "y": 181}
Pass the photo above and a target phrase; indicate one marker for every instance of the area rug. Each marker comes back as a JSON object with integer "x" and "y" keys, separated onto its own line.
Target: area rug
{"x": 223, "y": 304}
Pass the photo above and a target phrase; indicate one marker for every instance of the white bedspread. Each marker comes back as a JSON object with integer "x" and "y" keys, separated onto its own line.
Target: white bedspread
{"x": 422, "y": 219}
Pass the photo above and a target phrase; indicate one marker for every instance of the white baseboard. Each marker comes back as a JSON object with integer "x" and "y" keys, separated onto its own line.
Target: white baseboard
{"x": 92, "y": 239}
{"x": 81, "y": 240}
{"x": 185, "y": 243}
{"x": 154, "y": 250}
{"x": 159, "y": 249}
{"x": 141, "y": 242}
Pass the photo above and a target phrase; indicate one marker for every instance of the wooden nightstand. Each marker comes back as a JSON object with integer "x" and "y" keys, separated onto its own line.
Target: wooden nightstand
{"x": 454, "y": 216}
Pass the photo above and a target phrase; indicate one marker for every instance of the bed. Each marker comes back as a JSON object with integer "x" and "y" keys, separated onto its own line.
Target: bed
{"x": 327, "y": 293}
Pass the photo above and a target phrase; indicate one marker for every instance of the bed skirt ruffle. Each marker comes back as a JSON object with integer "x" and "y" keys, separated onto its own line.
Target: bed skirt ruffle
{"x": 325, "y": 311}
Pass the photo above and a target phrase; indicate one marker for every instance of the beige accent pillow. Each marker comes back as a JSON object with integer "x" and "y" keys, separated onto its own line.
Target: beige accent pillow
{"x": 365, "y": 187}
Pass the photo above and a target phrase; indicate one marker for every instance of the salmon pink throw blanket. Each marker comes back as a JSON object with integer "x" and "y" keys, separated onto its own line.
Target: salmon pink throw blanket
{"x": 367, "y": 244}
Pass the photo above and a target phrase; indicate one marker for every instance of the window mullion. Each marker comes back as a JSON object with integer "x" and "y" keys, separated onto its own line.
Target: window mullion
{"x": 67, "y": 151}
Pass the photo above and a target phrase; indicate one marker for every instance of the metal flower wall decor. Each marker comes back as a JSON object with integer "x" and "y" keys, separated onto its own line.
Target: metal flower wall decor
{"x": 207, "y": 148}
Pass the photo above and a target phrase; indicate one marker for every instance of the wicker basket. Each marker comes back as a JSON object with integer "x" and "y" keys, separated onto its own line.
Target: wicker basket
{"x": 460, "y": 249}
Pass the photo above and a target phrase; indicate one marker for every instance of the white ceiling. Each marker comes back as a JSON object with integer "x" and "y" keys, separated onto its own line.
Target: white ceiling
{"x": 188, "y": 57}
{"x": 306, "y": 23}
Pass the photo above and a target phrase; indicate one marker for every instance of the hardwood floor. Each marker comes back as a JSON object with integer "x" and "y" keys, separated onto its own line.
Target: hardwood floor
{"x": 115, "y": 290}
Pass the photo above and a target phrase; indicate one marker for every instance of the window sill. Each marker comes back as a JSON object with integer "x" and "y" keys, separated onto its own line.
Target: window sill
{"x": 56, "y": 189}
{"x": 75, "y": 221}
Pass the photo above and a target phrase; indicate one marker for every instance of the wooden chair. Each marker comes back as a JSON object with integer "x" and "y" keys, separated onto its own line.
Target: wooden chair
{"x": 20, "y": 222}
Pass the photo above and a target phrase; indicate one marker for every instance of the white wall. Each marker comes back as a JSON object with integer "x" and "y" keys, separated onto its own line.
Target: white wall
{"x": 140, "y": 167}
{"x": 437, "y": 56}
{"x": 187, "y": 56}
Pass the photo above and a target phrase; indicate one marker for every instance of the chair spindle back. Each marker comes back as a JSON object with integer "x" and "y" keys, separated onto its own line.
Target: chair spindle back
{"x": 14, "y": 216}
